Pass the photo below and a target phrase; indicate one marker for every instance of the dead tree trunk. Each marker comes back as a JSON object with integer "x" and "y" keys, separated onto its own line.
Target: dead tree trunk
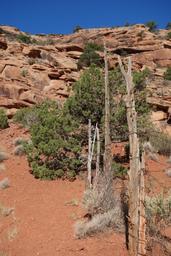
{"x": 107, "y": 152}
{"x": 136, "y": 205}
{"x": 142, "y": 219}
{"x": 98, "y": 152}
{"x": 89, "y": 154}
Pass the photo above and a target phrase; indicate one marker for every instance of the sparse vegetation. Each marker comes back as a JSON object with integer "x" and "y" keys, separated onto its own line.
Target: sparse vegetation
{"x": 158, "y": 210}
{"x": 26, "y": 116}
{"x": 4, "y": 183}
{"x": 5, "y": 211}
{"x": 3, "y": 119}
{"x": 24, "y": 38}
{"x": 161, "y": 142}
{"x": 77, "y": 28}
{"x": 90, "y": 56}
{"x": 24, "y": 72}
{"x": 19, "y": 150}
{"x": 99, "y": 223}
{"x": 18, "y": 141}
{"x": 119, "y": 170}
{"x": 3, "y": 155}
{"x": 167, "y": 74}
{"x": 169, "y": 35}
{"x": 152, "y": 25}
{"x": 168, "y": 26}
{"x": 31, "y": 61}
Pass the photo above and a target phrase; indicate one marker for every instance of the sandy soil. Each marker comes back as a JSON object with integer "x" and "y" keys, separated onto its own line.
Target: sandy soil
{"x": 43, "y": 217}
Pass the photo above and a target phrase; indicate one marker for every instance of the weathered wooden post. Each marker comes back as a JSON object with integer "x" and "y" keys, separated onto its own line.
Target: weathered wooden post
{"x": 136, "y": 178}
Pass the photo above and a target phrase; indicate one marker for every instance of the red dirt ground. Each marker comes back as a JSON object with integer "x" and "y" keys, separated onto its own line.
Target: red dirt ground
{"x": 42, "y": 221}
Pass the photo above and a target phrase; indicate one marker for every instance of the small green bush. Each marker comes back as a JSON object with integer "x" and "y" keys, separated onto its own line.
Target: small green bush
{"x": 77, "y": 29}
{"x": 139, "y": 79}
{"x": 90, "y": 56}
{"x": 119, "y": 170}
{"x": 19, "y": 150}
{"x": 24, "y": 72}
{"x": 161, "y": 142}
{"x": 71, "y": 175}
{"x": 54, "y": 150}
{"x": 167, "y": 74}
{"x": 3, "y": 119}
{"x": 158, "y": 210}
{"x": 59, "y": 173}
{"x": 24, "y": 38}
{"x": 26, "y": 116}
{"x": 152, "y": 26}
{"x": 168, "y": 26}
{"x": 169, "y": 35}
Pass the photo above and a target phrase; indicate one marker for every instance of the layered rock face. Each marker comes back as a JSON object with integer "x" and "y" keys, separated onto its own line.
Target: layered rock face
{"x": 48, "y": 67}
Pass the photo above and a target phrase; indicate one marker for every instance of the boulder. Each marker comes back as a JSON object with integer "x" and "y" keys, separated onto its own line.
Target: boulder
{"x": 12, "y": 72}
{"x": 32, "y": 52}
{"x": 158, "y": 116}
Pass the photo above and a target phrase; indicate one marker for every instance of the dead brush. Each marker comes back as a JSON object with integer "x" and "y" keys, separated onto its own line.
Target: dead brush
{"x": 3, "y": 155}
{"x": 103, "y": 207}
{"x": 19, "y": 150}
{"x": 100, "y": 223}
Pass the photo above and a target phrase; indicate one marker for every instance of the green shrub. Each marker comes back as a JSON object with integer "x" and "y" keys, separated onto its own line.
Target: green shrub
{"x": 88, "y": 100}
{"x": 90, "y": 56}
{"x": 24, "y": 38}
{"x": 24, "y": 72}
{"x": 71, "y": 175}
{"x": 3, "y": 119}
{"x": 139, "y": 79}
{"x": 169, "y": 35}
{"x": 167, "y": 74}
{"x": 161, "y": 142}
{"x": 54, "y": 149}
{"x": 168, "y": 26}
{"x": 31, "y": 61}
{"x": 19, "y": 150}
{"x": 119, "y": 170}
{"x": 26, "y": 116}
{"x": 152, "y": 25}
{"x": 77, "y": 29}
{"x": 59, "y": 173}
{"x": 158, "y": 210}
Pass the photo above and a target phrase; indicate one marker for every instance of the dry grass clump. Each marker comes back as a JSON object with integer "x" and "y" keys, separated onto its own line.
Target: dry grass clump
{"x": 2, "y": 167}
{"x": 99, "y": 223}
{"x": 158, "y": 212}
{"x": 18, "y": 141}
{"x": 168, "y": 172}
{"x": 3, "y": 156}
{"x": 150, "y": 151}
{"x": 101, "y": 198}
{"x": 19, "y": 150}
{"x": 5, "y": 211}
{"x": 161, "y": 142}
{"x": 103, "y": 207}
{"x": 4, "y": 183}
{"x": 158, "y": 217}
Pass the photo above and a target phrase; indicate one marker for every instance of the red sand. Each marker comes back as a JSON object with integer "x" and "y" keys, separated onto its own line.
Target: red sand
{"x": 42, "y": 222}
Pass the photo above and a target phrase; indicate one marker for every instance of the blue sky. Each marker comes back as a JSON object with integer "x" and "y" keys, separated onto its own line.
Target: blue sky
{"x": 42, "y": 16}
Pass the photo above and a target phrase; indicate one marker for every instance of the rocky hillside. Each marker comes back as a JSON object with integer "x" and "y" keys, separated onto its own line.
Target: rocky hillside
{"x": 47, "y": 65}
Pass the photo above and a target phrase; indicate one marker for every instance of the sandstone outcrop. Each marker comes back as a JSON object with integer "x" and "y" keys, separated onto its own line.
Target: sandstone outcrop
{"x": 48, "y": 67}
